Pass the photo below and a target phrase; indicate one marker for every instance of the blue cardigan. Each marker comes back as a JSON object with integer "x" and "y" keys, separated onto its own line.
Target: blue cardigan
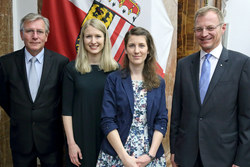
{"x": 118, "y": 108}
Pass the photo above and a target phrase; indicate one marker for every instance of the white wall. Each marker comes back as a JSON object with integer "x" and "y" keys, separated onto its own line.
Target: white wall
{"x": 20, "y": 9}
{"x": 237, "y": 17}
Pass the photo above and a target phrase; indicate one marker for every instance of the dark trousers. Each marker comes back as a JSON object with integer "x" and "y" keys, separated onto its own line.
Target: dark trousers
{"x": 198, "y": 162}
{"x": 53, "y": 159}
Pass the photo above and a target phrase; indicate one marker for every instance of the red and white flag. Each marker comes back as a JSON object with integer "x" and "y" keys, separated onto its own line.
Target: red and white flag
{"x": 67, "y": 16}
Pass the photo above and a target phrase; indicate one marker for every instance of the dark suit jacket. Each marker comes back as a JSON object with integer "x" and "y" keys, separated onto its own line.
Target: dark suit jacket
{"x": 220, "y": 127}
{"x": 118, "y": 109}
{"x": 32, "y": 123}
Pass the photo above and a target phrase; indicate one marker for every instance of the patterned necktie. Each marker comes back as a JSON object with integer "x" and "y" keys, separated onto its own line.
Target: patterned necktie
{"x": 205, "y": 77}
{"x": 33, "y": 79}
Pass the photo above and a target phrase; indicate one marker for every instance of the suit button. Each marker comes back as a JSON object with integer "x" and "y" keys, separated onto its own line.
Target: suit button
{"x": 201, "y": 118}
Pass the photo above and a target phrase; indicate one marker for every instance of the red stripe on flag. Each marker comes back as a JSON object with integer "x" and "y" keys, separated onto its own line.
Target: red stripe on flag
{"x": 120, "y": 53}
{"x": 117, "y": 31}
{"x": 65, "y": 24}
{"x": 159, "y": 70}
{"x": 119, "y": 56}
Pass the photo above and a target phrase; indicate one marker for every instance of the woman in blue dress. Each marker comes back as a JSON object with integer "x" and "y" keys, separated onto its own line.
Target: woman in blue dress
{"x": 134, "y": 113}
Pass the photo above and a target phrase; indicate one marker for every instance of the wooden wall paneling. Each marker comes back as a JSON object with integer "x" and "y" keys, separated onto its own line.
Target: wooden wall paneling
{"x": 186, "y": 43}
{"x": 218, "y": 4}
{"x": 40, "y": 4}
{"x": 6, "y": 46}
{"x": 171, "y": 8}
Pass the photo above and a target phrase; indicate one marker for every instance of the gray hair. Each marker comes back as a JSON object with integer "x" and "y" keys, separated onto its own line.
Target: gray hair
{"x": 33, "y": 17}
{"x": 202, "y": 11}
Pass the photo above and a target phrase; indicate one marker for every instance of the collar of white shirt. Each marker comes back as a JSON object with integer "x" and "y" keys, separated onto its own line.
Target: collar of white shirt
{"x": 216, "y": 52}
{"x": 39, "y": 56}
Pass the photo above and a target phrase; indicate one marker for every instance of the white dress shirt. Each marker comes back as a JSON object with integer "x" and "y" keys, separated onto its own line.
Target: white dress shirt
{"x": 213, "y": 59}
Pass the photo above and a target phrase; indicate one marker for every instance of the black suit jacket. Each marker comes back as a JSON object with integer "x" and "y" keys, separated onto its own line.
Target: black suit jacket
{"x": 35, "y": 123}
{"x": 220, "y": 128}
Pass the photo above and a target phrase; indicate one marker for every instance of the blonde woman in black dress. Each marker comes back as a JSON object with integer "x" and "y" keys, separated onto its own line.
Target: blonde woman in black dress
{"x": 83, "y": 85}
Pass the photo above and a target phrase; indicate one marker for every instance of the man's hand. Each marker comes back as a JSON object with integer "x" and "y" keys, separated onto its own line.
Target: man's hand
{"x": 172, "y": 161}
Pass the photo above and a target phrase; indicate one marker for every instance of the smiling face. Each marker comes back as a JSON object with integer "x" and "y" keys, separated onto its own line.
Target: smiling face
{"x": 93, "y": 41}
{"x": 137, "y": 50}
{"x": 34, "y": 36}
{"x": 208, "y": 40}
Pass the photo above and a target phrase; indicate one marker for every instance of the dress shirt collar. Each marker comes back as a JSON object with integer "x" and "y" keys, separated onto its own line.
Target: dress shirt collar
{"x": 216, "y": 52}
{"x": 39, "y": 56}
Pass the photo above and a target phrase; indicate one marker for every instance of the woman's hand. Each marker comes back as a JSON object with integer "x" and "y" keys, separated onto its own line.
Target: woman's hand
{"x": 74, "y": 153}
{"x": 129, "y": 161}
{"x": 143, "y": 160}
{"x": 74, "y": 150}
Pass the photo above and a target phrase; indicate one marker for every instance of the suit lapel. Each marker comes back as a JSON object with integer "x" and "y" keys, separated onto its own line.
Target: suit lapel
{"x": 219, "y": 70}
{"x": 47, "y": 64}
{"x": 127, "y": 83}
{"x": 20, "y": 62}
{"x": 195, "y": 68}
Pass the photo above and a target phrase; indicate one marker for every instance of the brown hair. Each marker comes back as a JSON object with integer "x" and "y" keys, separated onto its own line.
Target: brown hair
{"x": 151, "y": 79}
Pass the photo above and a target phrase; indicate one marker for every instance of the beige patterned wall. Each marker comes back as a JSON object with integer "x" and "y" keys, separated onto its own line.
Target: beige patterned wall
{"x": 6, "y": 46}
{"x": 171, "y": 8}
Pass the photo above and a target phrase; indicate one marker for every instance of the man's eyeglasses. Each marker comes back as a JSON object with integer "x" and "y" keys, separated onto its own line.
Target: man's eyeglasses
{"x": 208, "y": 28}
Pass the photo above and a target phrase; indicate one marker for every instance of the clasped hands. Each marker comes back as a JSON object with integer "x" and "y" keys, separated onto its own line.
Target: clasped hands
{"x": 141, "y": 161}
{"x": 129, "y": 161}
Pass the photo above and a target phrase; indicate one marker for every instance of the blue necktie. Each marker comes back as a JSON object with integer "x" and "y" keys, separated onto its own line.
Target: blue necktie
{"x": 204, "y": 79}
{"x": 33, "y": 79}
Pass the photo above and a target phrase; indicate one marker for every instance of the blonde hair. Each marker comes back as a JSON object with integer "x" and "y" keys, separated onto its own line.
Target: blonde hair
{"x": 107, "y": 62}
{"x": 202, "y": 11}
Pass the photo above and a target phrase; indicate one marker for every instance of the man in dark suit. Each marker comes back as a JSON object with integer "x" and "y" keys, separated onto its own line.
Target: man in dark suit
{"x": 31, "y": 96}
{"x": 210, "y": 122}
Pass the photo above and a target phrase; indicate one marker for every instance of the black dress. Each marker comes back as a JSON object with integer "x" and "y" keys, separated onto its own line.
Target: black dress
{"x": 82, "y": 99}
